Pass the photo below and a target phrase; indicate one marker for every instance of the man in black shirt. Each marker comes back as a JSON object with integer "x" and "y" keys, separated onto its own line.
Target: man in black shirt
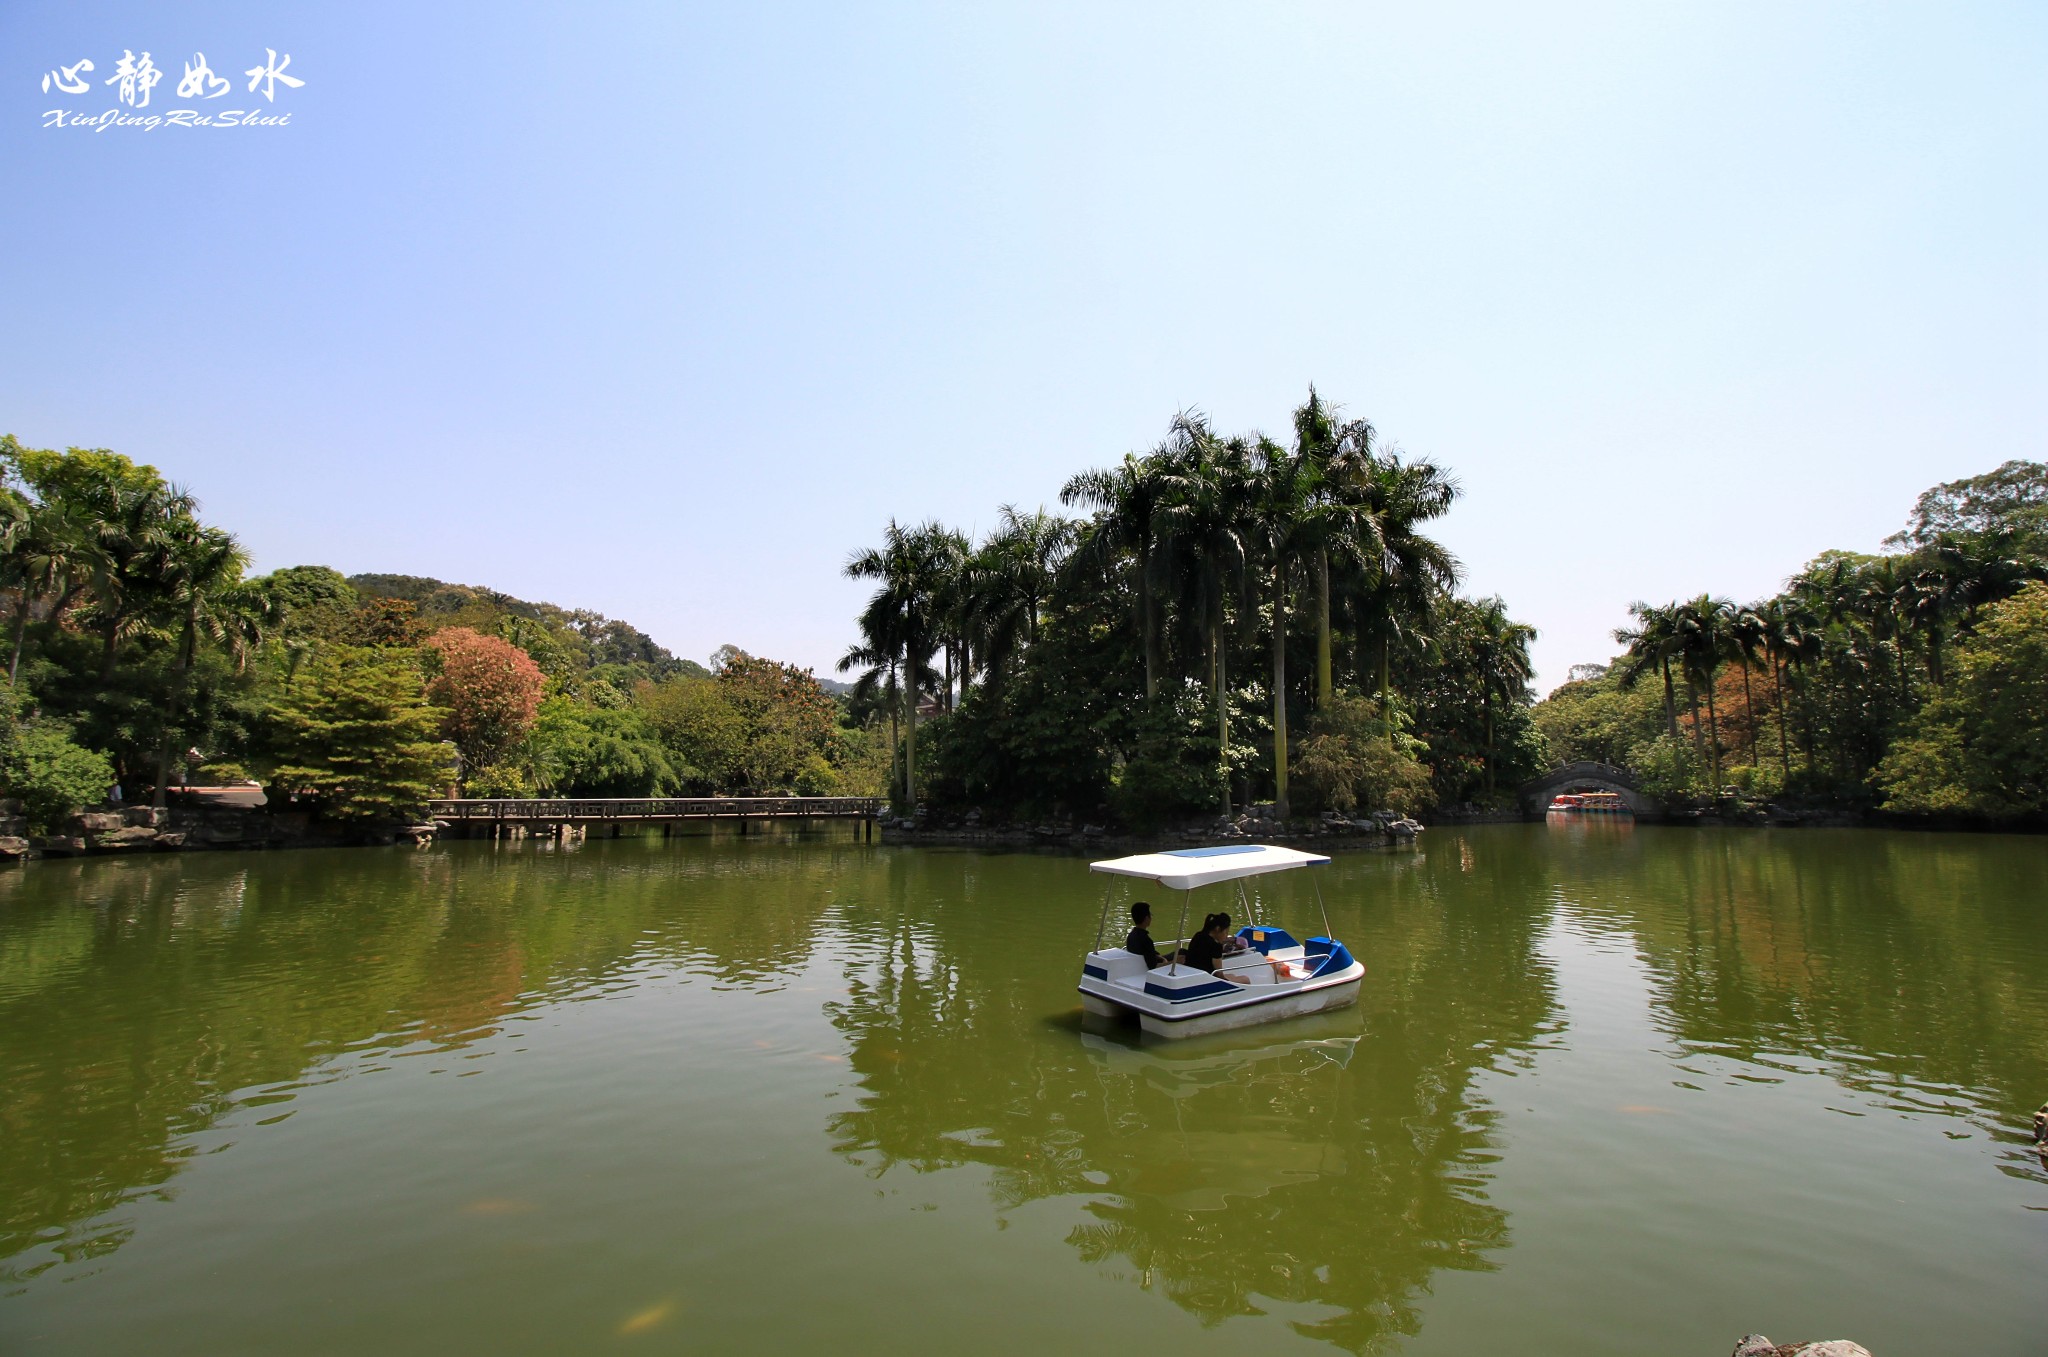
{"x": 1140, "y": 940}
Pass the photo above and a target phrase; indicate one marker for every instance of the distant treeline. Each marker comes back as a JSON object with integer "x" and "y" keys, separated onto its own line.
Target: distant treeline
{"x": 140, "y": 654}
{"x": 1914, "y": 681}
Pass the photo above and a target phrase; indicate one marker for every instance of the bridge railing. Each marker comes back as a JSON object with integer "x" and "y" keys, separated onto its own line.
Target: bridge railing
{"x": 562, "y": 809}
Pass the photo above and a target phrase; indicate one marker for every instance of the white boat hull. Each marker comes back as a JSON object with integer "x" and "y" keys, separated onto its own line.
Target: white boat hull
{"x": 1233, "y": 1007}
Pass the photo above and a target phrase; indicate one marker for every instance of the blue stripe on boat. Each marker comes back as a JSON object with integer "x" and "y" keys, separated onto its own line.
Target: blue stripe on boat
{"x": 1181, "y": 996}
{"x": 1095, "y": 971}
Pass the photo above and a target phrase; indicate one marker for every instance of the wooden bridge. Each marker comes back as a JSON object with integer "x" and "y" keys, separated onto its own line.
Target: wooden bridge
{"x": 561, "y": 817}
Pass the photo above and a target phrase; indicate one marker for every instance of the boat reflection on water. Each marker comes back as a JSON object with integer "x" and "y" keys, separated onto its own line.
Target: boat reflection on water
{"x": 1578, "y": 827}
{"x": 1319, "y": 1173}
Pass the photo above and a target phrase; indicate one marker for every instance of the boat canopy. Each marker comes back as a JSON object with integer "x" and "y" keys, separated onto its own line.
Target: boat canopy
{"x": 1183, "y": 869}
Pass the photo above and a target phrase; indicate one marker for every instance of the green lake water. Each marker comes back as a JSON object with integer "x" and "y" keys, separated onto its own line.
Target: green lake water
{"x": 1606, "y": 1091}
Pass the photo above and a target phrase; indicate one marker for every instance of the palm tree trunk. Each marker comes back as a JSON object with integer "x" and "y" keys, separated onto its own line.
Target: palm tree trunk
{"x": 1778, "y": 699}
{"x": 111, "y": 633}
{"x": 1670, "y": 703}
{"x": 1280, "y": 806}
{"x": 1714, "y": 734}
{"x": 1749, "y": 712}
{"x": 20, "y": 634}
{"x": 1386, "y": 687}
{"x": 1218, "y": 686}
{"x": 895, "y": 752}
{"x": 1486, "y": 706}
{"x": 1692, "y": 709}
{"x": 910, "y": 746}
{"x": 186, "y": 645}
{"x": 1323, "y": 665}
{"x": 1149, "y": 625}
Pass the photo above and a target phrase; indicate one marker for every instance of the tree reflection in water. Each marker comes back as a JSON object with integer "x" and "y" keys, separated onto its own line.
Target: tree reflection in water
{"x": 1321, "y": 1169}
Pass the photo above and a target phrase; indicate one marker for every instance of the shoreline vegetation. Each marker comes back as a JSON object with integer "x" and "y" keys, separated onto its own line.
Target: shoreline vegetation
{"x": 144, "y": 659}
{"x": 1249, "y": 634}
{"x": 1228, "y": 634}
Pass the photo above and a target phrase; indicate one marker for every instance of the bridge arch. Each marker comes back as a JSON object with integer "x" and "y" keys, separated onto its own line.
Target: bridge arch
{"x": 1589, "y": 777}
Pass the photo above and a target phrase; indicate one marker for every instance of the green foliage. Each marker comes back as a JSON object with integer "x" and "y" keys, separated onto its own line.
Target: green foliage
{"x": 1170, "y": 772}
{"x": 356, "y": 732}
{"x": 703, "y": 732}
{"x": 1670, "y": 770}
{"x": 499, "y": 780}
{"x": 51, "y": 775}
{"x": 2010, "y": 502}
{"x": 1980, "y": 746}
{"x": 757, "y": 725}
{"x": 1357, "y": 756}
{"x": 787, "y": 720}
{"x": 589, "y": 751}
{"x": 1599, "y": 720}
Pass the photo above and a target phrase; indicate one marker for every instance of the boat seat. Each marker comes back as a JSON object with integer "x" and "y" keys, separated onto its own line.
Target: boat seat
{"x": 1114, "y": 964}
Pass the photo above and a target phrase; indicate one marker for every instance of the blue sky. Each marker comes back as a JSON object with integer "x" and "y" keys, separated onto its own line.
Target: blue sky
{"x": 663, "y": 310}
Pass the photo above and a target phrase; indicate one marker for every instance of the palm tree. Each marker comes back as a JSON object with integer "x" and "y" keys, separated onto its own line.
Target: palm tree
{"x": 1788, "y": 634}
{"x": 135, "y": 527}
{"x": 1204, "y": 541}
{"x": 1499, "y": 655}
{"x": 1125, "y": 499}
{"x": 1404, "y": 571}
{"x": 1652, "y": 642}
{"x": 1326, "y": 523}
{"x": 903, "y": 620}
{"x": 202, "y": 584}
{"x": 1702, "y": 625}
{"x": 1277, "y": 518}
{"x": 1748, "y": 636}
{"x": 1006, "y": 584}
{"x": 879, "y": 684}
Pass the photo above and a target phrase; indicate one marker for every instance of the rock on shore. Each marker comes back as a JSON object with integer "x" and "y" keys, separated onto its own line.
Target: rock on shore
{"x": 1756, "y": 1345}
{"x": 151, "y": 829}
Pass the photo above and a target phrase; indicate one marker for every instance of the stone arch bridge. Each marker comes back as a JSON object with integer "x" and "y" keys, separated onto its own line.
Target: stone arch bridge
{"x": 1590, "y": 777}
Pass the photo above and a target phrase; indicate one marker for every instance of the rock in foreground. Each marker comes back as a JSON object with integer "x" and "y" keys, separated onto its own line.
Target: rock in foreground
{"x": 1756, "y": 1345}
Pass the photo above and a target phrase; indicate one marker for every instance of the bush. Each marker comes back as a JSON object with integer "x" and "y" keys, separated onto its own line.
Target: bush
{"x": 816, "y": 778}
{"x": 1669, "y": 770}
{"x": 51, "y": 775}
{"x": 1354, "y": 756}
{"x": 1172, "y": 771}
{"x": 1756, "y": 780}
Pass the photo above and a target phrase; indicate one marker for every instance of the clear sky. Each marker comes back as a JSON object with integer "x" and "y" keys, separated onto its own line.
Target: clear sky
{"x": 663, "y": 310}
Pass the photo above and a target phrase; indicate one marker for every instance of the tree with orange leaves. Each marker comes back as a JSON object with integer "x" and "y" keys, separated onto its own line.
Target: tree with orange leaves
{"x": 490, "y": 689}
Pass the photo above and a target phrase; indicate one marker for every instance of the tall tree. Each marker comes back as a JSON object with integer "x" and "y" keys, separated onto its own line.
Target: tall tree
{"x": 1702, "y": 625}
{"x": 1125, "y": 499}
{"x": 1500, "y": 657}
{"x": 1278, "y": 516}
{"x": 359, "y": 735}
{"x": 203, "y": 586}
{"x": 1206, "y": 487}
{"x": 1653, "y": 642}
{"x": 903, "y": 618}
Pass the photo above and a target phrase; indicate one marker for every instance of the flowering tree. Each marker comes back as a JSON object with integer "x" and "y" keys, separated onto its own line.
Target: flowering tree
{"x": 490, "y": 689}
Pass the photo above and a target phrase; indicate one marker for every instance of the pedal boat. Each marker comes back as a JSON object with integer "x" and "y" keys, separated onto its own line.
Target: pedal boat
{"x": 1177, "y": 1000}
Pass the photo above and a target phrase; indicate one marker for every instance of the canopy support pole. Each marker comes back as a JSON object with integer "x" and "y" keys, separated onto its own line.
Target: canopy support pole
{"x": 1323, "y": 907}
{"x": 1181, "y": 934}
{"x": 1102, "y": 919}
